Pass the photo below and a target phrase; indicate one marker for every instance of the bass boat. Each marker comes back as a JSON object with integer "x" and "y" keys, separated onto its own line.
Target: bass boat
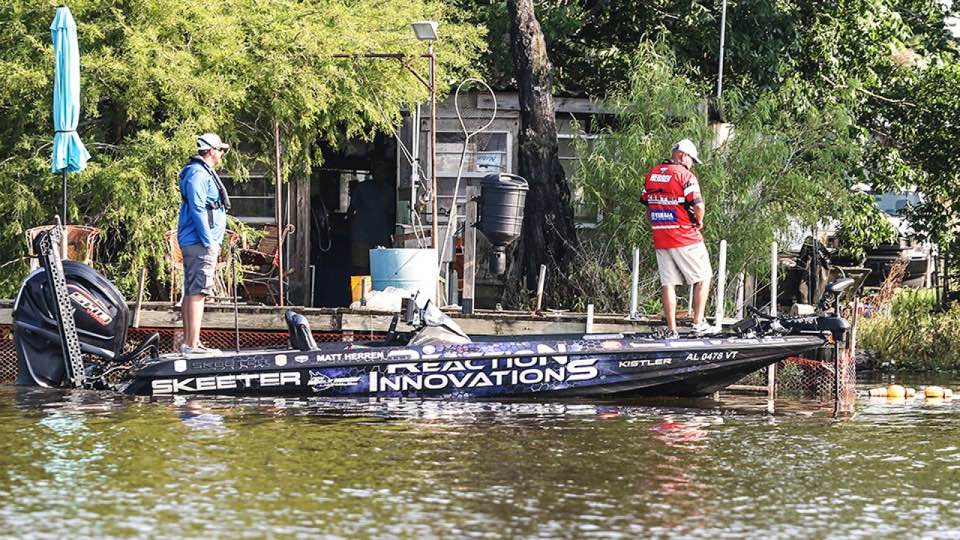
{"x": 70, "y": 328}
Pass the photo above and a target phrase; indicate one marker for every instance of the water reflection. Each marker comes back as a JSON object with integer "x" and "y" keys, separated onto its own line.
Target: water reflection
{"x": 88, "y": 464}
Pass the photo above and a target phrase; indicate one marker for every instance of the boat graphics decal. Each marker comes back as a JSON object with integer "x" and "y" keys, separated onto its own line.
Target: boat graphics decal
{"x": 319, "y": 382}
{"x": 653, "y": 362}
{"x": 543, "y": 372}
{"x": 226, "y": 382}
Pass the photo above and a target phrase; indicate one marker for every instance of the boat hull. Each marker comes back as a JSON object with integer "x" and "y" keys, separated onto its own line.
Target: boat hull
{"x": 580, "y": 366}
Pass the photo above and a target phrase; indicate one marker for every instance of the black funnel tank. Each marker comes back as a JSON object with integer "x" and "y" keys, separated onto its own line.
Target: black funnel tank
{"x": 502, "y": 197}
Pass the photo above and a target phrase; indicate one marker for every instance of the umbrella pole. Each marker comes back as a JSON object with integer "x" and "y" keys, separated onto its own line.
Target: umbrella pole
{"x": 63, "y": 222}
{"x": 63, "y": 216}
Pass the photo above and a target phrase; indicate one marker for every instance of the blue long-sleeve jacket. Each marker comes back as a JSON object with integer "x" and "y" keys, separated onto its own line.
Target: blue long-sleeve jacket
{"x": 202, "y": 219}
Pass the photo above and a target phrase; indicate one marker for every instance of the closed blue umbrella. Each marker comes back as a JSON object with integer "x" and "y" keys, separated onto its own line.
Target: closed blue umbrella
{"x": 69, "y": 154}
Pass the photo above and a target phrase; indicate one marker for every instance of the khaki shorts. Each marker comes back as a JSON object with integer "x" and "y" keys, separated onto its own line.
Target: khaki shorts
{"x": 199, "y": 266}
{"x": 690, "y": 264}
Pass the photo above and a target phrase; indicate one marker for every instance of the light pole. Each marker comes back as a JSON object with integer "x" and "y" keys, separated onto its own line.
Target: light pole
{"x": 427, "y": 31}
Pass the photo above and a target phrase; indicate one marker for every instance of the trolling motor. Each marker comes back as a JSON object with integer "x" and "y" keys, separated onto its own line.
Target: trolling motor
{"x": 63, "y": 311}
{"x": 759, "y": 323}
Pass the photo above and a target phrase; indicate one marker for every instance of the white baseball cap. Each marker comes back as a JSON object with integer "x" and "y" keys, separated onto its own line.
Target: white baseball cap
{"x": 210, "y": 141}
{"x": 687, "y": 147}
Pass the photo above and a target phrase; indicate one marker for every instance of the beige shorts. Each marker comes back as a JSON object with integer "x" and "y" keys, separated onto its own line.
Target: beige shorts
{"x": 690, "y": 264}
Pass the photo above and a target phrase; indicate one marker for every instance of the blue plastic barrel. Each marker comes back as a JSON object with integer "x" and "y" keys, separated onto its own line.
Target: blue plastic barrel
{"x": 411, "y": 269}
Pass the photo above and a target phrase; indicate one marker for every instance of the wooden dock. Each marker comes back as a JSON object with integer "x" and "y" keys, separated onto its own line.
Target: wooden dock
{"x": 482, "y": 322}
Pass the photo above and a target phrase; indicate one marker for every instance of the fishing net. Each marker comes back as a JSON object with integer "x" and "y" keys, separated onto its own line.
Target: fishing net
{"x": 811, "y": 377}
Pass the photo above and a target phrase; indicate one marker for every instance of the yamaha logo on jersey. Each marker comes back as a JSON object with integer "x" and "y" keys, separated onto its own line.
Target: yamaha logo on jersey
{"x": 660, "y": 178}
{"x": 663, "y": 216}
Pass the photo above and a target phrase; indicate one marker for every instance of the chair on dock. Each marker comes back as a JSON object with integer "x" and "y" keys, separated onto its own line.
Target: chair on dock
{"x": 223, "y": 280}
{"x": 81, "y": 243}
{"x": 261, "y": 266}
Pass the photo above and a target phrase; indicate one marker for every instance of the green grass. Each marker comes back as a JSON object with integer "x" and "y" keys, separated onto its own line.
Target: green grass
{"x": 913, "y": 336}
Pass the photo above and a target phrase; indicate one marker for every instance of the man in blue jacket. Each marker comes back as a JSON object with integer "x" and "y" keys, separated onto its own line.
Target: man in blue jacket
{"x": 203, "y": 220}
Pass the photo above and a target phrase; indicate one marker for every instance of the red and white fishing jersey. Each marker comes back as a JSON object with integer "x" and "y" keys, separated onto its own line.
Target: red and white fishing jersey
{"x": 670, "y": 193}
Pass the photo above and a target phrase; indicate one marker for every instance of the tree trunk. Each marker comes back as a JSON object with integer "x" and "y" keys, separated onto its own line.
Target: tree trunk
{"x": 548, "y": 236}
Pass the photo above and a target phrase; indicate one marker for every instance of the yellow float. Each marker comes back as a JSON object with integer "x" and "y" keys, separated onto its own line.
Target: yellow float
{"x": 896, "y": 391}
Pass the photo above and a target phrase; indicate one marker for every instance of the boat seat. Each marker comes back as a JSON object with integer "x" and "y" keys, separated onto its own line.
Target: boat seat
{"x": 839, "y": 285}
{"x": 301, "y": 338}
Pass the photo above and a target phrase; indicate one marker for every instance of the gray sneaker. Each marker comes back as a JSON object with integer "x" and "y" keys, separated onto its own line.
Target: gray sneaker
{"x": 671, "y": 334}
{"x": 702, "y": 328}
{"x": 198, "y": 350}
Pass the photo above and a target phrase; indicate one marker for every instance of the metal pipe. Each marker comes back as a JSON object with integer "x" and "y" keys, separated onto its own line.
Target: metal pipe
{"x": 278, "y": 209}
{"x": 721, "y": 284}
{"x": 540, "y": 283}
{"x": 589, "y": 318}
{"x": 772, "y": 368}
{"x": 434, "y": 230}
{"x": 773, "y": 279}
{"x": 64, "y": 181}
{"x": 634, "y": 283}
{"x": 741, "y": 285}
{"x": 434, "y": 233}
{"x": 723, "y": 31}
{"x": 415, "y": 166}
{"x": 814, "y": 270}
{"x": 236, "y": 310}
{"x": 313, "y": 283}
{"x": 140, "y": 285}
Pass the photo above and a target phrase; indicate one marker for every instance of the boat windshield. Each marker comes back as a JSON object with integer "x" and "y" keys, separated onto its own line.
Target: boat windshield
{"x": 894, "y": 202}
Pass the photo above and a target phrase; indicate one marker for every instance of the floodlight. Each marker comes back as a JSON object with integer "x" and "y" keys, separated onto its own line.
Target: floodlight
{"x": 425, "y": 30}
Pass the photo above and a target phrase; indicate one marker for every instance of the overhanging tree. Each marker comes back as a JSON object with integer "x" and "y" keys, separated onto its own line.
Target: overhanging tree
{"x": 157, "y": 72}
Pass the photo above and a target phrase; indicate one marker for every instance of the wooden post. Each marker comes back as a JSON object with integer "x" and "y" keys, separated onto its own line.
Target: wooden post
{"x": 140, "y": 285}
{"x": 740, "y": 295}
{"x": 470, "y": 252}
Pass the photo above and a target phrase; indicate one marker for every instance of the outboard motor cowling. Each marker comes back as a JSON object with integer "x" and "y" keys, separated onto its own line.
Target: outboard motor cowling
{"x": 502, "y": 199}
{"x": 100, "y": 313}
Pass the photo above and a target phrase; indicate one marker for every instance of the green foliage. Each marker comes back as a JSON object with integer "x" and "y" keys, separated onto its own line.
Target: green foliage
{"x": 892, "y": 63}
{"x": 155, "y": 73}
{"x": 863, "y": 225}
{"x": 913, "y": 335}
{"x": 784, "y": 166}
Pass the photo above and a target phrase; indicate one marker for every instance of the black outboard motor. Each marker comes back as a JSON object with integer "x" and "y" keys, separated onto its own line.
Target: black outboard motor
{"x": 101, "y": 317}
{"x": 502, "y": 198}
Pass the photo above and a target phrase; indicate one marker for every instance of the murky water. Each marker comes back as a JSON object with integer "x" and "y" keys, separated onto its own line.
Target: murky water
{"x": 77, "y": 464}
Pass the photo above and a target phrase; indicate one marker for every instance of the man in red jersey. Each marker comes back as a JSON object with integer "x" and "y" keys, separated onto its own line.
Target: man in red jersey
{"x": 675, "y": 209}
